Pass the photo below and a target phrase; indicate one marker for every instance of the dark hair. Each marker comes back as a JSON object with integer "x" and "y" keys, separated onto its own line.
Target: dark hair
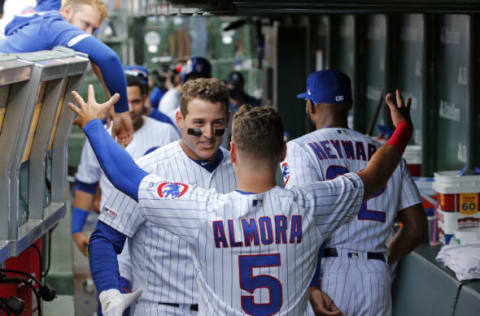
{"x": 258, "y": 131}
{"x": 209, "y": 89}
{"x": 136, "y": 81}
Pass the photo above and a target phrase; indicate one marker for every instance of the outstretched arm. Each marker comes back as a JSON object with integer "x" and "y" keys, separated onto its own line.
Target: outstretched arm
{"x": 117, "y": 164}
{"x": 386, "y": 159}
{"x": 110, "y": 67}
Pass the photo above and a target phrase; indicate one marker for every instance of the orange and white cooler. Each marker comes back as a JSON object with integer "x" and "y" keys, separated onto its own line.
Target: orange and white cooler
{"x": 458, "y": 204}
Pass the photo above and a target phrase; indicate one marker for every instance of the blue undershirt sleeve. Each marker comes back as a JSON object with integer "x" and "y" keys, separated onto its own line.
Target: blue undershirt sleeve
{"x": 105, "y": 244}
{"x": 111, "y": 67}
{"x": 117, "y": 164}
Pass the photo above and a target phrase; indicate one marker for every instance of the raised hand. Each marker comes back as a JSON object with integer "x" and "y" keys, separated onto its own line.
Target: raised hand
{"x": 400, "y": 111}
{"x": 90, "y": 110}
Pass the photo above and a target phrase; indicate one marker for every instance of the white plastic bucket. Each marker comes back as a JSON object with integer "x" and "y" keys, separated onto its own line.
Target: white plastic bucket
{"x": 465, "y": 236}
{"x": 458, "y": 203}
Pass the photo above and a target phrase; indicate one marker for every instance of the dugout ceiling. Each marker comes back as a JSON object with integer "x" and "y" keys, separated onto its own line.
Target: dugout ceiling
{"x": 274, "y": 7}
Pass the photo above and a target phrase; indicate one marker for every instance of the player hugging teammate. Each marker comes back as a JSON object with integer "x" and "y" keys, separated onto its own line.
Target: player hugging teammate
{"x": 254, "y": 249}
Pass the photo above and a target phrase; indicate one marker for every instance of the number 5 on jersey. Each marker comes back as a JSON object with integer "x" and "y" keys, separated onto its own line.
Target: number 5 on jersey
{"x": 249, "y": 283}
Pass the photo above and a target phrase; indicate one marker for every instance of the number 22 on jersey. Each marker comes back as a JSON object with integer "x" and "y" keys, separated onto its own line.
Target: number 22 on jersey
{"x": 364, "y": 213}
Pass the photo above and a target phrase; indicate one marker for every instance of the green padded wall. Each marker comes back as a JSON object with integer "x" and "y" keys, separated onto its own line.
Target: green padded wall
{"x": 452, "y": 92}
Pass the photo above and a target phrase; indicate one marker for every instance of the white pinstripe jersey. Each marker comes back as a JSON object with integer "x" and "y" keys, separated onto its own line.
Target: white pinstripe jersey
{"x": 161, "y": 261}
{"x": 254, "y": 253}
{"x": 328, "y": 152}
{"x": 152, "y": 134}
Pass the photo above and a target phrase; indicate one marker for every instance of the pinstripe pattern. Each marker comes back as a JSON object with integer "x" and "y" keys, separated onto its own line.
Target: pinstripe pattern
{"x": 322, "y": 207}
{"x": 150, "y": 309}
{"x": 151, "y": 134}
{"x": 162, "y": 261}
{"x": 308, "y": 159}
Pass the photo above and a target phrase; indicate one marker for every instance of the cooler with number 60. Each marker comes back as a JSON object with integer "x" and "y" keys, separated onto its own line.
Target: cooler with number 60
{"x": 458, "y": 204}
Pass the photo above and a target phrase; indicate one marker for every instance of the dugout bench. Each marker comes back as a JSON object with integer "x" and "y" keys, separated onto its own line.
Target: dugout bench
{"x": 423, "y": 287}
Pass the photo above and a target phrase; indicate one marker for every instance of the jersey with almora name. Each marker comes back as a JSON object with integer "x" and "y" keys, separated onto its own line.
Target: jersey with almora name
{"x": 255, "y": 253}
{"x": 162, "y": 263}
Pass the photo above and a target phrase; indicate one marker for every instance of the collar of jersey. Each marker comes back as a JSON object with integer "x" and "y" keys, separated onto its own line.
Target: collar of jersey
{"x": 244, "y": 192}
{"x": 211, "y": 165}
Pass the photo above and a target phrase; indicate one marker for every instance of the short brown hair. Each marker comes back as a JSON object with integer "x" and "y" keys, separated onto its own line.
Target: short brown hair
{"x": 209, "y": 89}
{"x": 98, "y": 5}
{"x": 258, "y": 131}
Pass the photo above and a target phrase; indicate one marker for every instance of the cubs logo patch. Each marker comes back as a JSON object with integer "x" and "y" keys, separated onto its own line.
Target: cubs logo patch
{"x": 112, "y": 213}
{"x": 285, "y": 173}
{"x": 171, "y": 190}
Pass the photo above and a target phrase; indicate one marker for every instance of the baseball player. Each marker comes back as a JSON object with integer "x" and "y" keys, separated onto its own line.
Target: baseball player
{"x": 73, "y": 27}
{"x": 149, "y": 135}
{"x": 356, "y": 255}
{"x": 254, "y": 249}
{"x": 161, "y": 263}
{"x": 142, "y": 73}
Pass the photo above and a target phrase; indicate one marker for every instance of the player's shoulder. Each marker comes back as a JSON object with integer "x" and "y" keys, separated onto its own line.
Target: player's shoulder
{"x": 298, "y": 197}
{"x": 37, "y": 20}
{"x": 155, "y": 127}
{"x": 161, "y": 155}
{"x": 171, "y": 95}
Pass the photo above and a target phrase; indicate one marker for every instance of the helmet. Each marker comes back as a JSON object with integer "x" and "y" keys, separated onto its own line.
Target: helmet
{"x": 235, "y": 79}
{"x": 137, "y": 71}
{"x": 196, "y": 67}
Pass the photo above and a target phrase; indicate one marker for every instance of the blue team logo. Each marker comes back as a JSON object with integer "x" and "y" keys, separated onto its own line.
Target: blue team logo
{"x": 285, "y": 173}
{"x": 172, "y": 190}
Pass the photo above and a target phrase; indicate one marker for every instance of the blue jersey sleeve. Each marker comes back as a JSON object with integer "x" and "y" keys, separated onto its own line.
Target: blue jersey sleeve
{"x": 45, "y": 30}
{"x": 47, "y": 5}
{"x": 111, "y": 67}
{"x": 105, "y": 244}
{"x": 118, "y": 165}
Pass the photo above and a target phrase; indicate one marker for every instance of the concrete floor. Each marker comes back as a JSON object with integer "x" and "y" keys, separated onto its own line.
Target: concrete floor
{"x": 70, "y": 274}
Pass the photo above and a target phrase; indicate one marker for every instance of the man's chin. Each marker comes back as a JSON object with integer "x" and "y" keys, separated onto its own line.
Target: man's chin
{"x": 206, "y": 154}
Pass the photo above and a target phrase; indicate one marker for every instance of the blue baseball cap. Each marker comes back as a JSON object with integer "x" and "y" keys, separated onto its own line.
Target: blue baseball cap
{"x": 327, "y": 86}
{"x": 196, "y": 67}
{"x": 137, "y": 71}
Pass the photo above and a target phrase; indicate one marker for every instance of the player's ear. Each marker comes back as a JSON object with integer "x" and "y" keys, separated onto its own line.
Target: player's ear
{"x": 310, "y": 107}
{"x": 233, "y": 152}
{"x": 66, "y": 11}
{"x": 179, "y": 118}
